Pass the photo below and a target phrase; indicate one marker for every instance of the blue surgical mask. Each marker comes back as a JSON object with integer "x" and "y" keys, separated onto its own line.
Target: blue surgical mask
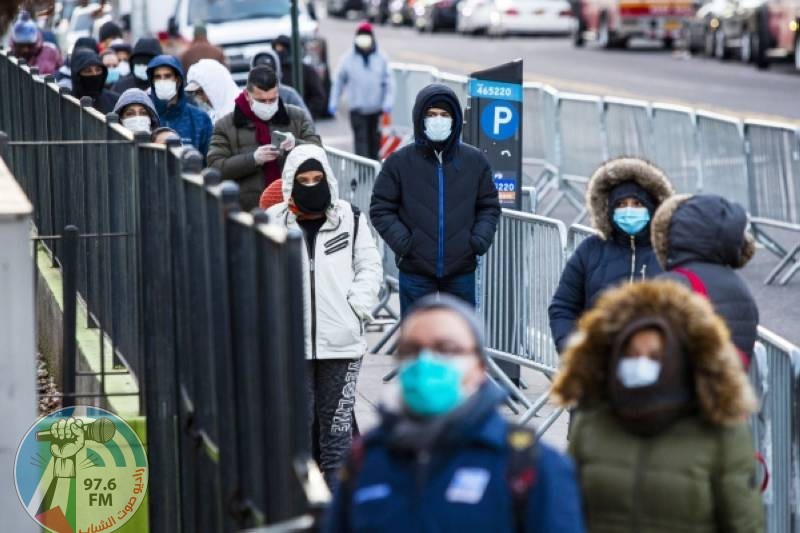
{"x": 431, "y": 384}
{"x": 631, "y": 220}
{"x": 438, "y": 129}
{"x": 113, "y": 76}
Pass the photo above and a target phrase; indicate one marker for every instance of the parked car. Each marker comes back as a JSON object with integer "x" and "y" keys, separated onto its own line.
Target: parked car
{"x": 339, "y": 8}
{"x": 435, "y": 15}
{"x": 758, "y": 31}
{"x": 378, "y": 11}
{"x": 243, "y": 28}
{"x": 503, "y": 17}
{"x": 698, "y": 33}
{"x": 613, "y": 23}
{"x": 401, "y": 12}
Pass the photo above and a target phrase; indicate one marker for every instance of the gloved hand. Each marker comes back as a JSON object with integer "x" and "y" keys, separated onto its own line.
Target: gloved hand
{"x": 265, "y": 154}
{"x": 289, "y": 143}
{"x": 332, "y": 109}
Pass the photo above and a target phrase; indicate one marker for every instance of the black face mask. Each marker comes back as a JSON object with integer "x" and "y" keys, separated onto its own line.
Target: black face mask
{"x": 312, "y": 200}
{"x": 93, "y": 85}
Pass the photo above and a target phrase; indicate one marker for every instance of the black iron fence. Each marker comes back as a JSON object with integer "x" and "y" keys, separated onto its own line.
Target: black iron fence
{"x": 202, "y": 302}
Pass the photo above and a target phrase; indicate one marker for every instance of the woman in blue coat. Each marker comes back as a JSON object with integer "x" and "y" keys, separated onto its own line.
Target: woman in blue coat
{"x": 622, "y": 196}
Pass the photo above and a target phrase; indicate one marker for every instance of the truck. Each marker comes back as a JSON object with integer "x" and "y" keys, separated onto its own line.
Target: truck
{"x": 613, "y": 23}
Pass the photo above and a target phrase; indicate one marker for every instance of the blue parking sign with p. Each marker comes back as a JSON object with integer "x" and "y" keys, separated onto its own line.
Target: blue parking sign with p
{"x": 500, "y": 120}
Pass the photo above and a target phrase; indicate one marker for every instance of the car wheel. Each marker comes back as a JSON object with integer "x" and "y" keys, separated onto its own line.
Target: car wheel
{"x": 797, "y": 53}
{"x": 760, "y": 43}
{"x": 720, "y": 45}
{"x": 746, "y": 50}
{"x": 711, "y": 41}
{"x": 669, "y": 43}
{"x": 577, "y": 34}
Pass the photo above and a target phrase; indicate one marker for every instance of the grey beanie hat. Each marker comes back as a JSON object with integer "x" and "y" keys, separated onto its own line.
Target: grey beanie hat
{"x": 459, "y": 307}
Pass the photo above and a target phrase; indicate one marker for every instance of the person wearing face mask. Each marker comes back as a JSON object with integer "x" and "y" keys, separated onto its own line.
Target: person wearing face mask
{"x": 435, "y": 203}
{"x": 700, "y": 240}
{"x": 250, "y": 144}
{"x": 123, "y": 51}
{"x": 143, "y": 52}
{"x": 621, "y": 197}
{"x": 443, "y": 458}
{"x": 27, "y": 43}
{"x": 342, "y": 276}
{"x": 314, "y": 94}
{"x": 111, "y": 62}
{"x": 212, "y": 88}
{"x": 366, "y": 80}
{"x": 174, "y": 110}
{"x": 89, "y": 79}
{"x": 136, "y": 111}
{"x": 268, "y": 58}
{"x": 660, "y": 437}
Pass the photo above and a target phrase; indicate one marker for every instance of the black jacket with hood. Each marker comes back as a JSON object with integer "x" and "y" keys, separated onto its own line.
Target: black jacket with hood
{"x": 105, "y": 100}
{"x": 436, "y": 216}
{"x": 706, "y": 235}
{"x": 144, "y": 51}
{"x": 612, "y": 256}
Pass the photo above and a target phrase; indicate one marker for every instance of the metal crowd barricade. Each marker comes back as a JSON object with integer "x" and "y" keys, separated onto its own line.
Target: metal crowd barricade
{"x": 356, "y": 176}
{"x": 519, "y": 277}
{"x": 540, "y": 160}
{"x": 773, "y": 158}
{"x": 722, "y": 157}
{"x": 628, "y": 128}
{"x": 457, "y": 83}
{"x": 408, "y": 81}
{"x": 576, "y": 235}
{"x": 775, "y": 374}
{"x": 675, "y": 148}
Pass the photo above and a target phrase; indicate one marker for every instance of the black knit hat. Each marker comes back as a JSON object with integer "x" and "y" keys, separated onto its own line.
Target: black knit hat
{"x": 442, "y": 103}
{"x": 310, "y": 164}
{"x": 110, "y": 30}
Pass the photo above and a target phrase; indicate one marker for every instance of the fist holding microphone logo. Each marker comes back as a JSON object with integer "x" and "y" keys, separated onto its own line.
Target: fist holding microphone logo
{"x": 81, "y": 470}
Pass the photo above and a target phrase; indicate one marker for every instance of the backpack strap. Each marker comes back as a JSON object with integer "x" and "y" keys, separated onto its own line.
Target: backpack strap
{"x": 522, "y": 458}
{"x": 697, "y": 284}
{"x": 356, "y": 219}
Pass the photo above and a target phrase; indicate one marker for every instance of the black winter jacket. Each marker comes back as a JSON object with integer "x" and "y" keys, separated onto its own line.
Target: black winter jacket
{"x": 611, "y": 257}
{"x": 705, "y": 234}
{"x": 436, "y": 216}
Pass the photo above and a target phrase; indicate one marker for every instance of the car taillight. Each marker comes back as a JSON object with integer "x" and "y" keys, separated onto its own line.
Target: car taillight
{"x": 565, "y": 13}
{"x": 512, "y": 11}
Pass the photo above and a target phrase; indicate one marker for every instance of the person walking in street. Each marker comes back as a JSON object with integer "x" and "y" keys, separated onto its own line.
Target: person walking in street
{"x": 144, "y": 51}
{"x": 136, "y": 111}
{"x": 660, "y": 437}
{"x": 700, "y": 240}
{"x": 201, "y": 48}
{"x": 435, "y": 203}
{"x": 269, "y": 58}
{"x": 443, "y": 458}
{"x": 366, "y": 80}
{"x": 250, "y": 144}
{"x": 621, "y": 198}
{"x": 27, "y": 43}
{"x": 212, "y": 88}
{"x": 89, "y": 79}
{"x": 342, "y": 278}
{"x": 314, "y": 94}
{"x": 174, "y": 110}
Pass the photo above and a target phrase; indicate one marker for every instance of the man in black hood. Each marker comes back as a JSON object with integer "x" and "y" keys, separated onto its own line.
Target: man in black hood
{"x": 313, "y": 92}
{"x": 88, "y": 79}
{"x": 143, "y": 52}
{"x": 435, "y": 203}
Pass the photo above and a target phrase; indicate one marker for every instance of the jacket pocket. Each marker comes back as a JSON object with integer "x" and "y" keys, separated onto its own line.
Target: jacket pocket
{"x": 360, "y": 328}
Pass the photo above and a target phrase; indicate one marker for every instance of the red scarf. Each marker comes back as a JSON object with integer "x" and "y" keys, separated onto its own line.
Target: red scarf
{"x": 271, "y": 169}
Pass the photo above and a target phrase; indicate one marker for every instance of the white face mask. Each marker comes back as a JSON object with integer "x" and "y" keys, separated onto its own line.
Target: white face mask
{"x": 264, "y": 111}
{"x": 124, "y": 68}
{"x": 637, "y": 372}
{"x": 140, "y": 71}
{"x": 363, "y": 41}
{"x": 438, "y": 129}
{"x": 136, "y": 124}
{"x": 165, "y": 89}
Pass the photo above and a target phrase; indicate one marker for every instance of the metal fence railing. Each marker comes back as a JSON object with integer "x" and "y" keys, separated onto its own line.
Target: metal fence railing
{"x": 184, "y": 285}
{"x": 569, "y": 135}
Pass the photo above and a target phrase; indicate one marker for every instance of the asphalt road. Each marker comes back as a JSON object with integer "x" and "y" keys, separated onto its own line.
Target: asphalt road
{"x": 646, "y": 74}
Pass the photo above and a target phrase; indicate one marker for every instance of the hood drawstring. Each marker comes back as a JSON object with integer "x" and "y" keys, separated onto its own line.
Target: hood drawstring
{"x": 633, "y": 258}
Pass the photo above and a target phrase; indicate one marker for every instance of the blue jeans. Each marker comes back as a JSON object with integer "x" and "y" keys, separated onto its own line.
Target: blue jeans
{"x": 413, "y": 287}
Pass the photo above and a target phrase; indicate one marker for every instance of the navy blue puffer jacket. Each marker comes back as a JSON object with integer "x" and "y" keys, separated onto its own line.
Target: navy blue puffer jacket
{"x": 705, "y": 234}
{"x": 611, "y": 257}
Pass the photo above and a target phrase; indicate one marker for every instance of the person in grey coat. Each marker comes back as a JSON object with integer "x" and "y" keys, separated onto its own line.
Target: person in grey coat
{"x": 269, "y": 58}
{"x": 700, "y": 240}
{"x": 136, "y": 111}
{"x": 366, "y": 81}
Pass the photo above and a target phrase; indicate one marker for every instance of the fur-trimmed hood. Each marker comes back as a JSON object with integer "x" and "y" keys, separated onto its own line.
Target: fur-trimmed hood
{"x": 723, "y": 393}
{"x": 702, "y": 227}
{"x": 614, "y": 172}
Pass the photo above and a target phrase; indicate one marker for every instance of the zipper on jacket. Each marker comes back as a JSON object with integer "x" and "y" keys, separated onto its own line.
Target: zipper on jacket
{"x": 440, "y": 254}
{"x": 638, "y": 480}
{"x": 312, "y": 276}
{"x": 423, "y": 461}
{"x": 633, "y": 258}
{"x": 644, "y": 271}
